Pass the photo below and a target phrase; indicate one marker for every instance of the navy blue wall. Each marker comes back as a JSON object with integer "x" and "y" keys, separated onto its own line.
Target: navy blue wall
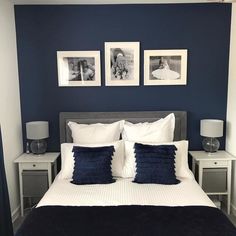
{"x": 203, "y": 29}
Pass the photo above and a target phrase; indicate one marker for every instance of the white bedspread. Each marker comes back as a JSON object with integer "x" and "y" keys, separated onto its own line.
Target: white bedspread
{"x": 125, "y": 192}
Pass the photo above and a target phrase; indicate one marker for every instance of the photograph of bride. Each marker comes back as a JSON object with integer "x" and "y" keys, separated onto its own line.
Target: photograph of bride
{"x": 165, "y": 67}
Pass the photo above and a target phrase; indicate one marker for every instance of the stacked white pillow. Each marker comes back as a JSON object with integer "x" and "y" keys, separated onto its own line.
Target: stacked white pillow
{"x": 95, "y": 133}
{"x": 159, "y": 131}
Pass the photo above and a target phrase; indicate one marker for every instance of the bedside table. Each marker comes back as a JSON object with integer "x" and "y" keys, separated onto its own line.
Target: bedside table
{"x": 32, "y": 162}
{"x": 220, "y": 160}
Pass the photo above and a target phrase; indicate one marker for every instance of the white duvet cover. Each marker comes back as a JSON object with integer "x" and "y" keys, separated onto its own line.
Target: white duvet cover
{"x": 125, "y": 192}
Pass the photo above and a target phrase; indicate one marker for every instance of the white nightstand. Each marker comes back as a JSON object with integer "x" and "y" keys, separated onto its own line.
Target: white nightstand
{"x": 218, "y": 160}
{"x": 31, "y": 162}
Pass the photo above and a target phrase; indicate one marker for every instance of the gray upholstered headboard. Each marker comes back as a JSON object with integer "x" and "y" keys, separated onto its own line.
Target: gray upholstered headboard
{"x": 109, "y": 117}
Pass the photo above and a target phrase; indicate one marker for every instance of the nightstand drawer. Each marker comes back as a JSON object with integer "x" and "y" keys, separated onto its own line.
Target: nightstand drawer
{"x": 215, "y": 163}
{"x": 34, "y": 166}
{"x": 35, "y": 183}
{"x": 214, "y": 180}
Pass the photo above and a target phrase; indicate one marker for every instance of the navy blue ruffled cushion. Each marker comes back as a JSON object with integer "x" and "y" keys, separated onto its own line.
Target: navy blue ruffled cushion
{"x": 92, "y": 165}
{"x": 155, "y": 164}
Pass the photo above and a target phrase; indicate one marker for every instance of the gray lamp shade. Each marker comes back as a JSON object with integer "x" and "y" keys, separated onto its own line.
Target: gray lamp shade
{"x": 36, "y": 130}
{"x": 211, "y": 128}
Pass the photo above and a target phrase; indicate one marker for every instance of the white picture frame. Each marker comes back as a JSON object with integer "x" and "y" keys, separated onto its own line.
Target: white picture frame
{"x": 71, "y": 63}
{"x": 165, "y": 67}
{"x": 122, "y": 63}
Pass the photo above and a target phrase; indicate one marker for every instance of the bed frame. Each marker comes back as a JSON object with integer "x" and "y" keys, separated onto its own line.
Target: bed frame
{"x": 109, "y": 117}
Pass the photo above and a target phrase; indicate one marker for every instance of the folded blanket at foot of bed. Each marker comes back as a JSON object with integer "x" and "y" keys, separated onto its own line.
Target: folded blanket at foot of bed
{"x": 126, "y": 220}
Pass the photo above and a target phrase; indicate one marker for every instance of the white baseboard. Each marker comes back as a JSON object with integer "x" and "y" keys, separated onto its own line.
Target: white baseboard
{"x": 233, "y": 209}
{"x": 15, "y": 214}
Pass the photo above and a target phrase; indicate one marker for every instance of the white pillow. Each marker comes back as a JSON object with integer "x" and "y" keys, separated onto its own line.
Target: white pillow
{"x": 181, "y": 159}
{"x": 95, "y": 133}
{"x": 159, "y": 131}
{"x": 67, "y": 159}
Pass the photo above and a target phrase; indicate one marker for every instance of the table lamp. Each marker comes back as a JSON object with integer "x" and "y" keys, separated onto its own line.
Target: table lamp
{"x": 37, "y": 131}
{"x": 211, "y": 129}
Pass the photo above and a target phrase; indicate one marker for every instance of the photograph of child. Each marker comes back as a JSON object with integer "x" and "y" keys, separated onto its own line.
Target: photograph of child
{"x": 122, "y": 63}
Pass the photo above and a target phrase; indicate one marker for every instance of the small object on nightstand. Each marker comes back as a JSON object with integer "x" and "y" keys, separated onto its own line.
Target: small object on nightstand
{"x": 41, "y": 169}
{"x": 37, "y": 131}
{"x": 27, "y": 148}
{"x": 214, "y": 173}
{"x": 211, "y": 129}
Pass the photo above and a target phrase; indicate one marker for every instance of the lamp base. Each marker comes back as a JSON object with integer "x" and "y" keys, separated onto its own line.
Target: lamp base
{"x": 38, "y": 146}
{"x": 210, "y": 144}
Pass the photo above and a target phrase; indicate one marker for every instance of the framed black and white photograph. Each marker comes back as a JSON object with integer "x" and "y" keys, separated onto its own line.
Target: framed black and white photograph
{"x": 79, "y": 68}
{"x": 122, "y": 63}
{"x": 165, "y": 67}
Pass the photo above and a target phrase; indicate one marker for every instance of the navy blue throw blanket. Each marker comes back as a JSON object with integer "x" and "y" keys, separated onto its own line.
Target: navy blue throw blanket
{"x": 5, "y": 213}
{"x": 126, "y": 221}
{"x": 155, "y": 164}
{"x": 92, "y": 165}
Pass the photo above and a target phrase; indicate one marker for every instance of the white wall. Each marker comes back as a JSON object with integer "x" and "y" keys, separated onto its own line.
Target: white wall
{"x": 231, "y": 107}
{"x": 10, "y": 114}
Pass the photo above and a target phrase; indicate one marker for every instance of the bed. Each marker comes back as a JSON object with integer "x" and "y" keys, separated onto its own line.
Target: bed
{"x": 125, "y": 207}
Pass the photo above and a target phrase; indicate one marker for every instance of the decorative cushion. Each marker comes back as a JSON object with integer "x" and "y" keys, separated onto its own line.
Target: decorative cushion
{"x": 181, "y": 159}
{"x": 159, "y": 131}
{"x": 92, "y": 165}
{"x": 155, "y": 164}
{"x": 95, "y": 133}
{"x": 67, "y": 159}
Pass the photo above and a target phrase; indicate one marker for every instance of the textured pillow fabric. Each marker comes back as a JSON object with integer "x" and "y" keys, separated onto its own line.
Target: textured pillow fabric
{"x": 92, "y": 165}
{"x": 181, "y": 159}
{"x": 95, "y": 133}
{"x": 159, "y": 131}
{"x": 155, "y": 164}
{"x": 67, "y": 160}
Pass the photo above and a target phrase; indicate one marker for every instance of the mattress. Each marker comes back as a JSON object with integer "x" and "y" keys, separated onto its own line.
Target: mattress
{"x": 124, "y": 192}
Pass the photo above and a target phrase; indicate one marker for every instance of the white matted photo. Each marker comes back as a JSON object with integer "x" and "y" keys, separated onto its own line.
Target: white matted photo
{"x": 165, "y": 67}
{"x": 122, "y": 63}
{"x": 79, "y": 68}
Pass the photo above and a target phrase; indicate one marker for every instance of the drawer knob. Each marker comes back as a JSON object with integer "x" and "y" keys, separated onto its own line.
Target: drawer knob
{"x": 215, "y": 163}
{"x": 34, "y": 165}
